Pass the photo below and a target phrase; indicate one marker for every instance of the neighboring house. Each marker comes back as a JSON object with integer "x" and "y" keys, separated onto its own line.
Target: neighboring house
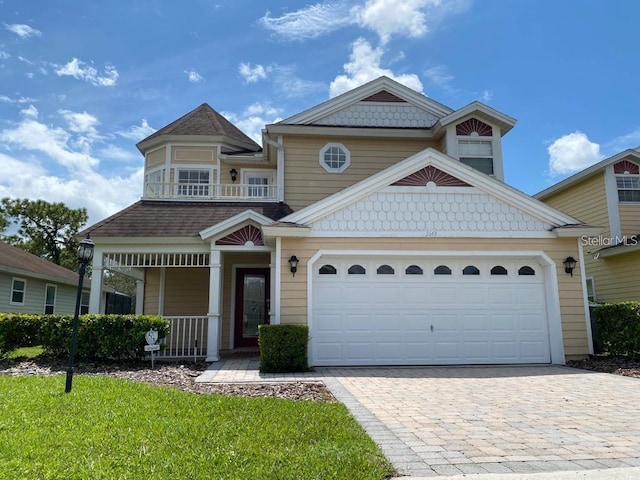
{"x": 606, "y": 194}
{"x": 378, "y": 218}
{"x": 30, "y": 284}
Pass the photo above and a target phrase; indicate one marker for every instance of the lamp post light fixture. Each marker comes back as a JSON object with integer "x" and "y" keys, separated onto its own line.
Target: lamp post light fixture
{"x": 569, "y": 265}
{"x": 85, "y": 254}
{"x": 234, "y": 175}
{"x": 293, "y": 262}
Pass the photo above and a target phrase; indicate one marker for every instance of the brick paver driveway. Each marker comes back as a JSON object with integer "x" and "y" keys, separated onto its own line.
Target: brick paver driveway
{"x": 451, "y": 420}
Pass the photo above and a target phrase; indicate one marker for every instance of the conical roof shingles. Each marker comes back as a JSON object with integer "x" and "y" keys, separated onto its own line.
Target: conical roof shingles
{"x": 204, "y": 121}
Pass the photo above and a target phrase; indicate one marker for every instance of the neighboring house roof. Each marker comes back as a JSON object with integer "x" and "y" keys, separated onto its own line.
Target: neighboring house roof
{"x": 18, "y": 262}
{"x": 202, "y": 121}
{"x": 147, "y": 218}
{"x": 587, "y": 172}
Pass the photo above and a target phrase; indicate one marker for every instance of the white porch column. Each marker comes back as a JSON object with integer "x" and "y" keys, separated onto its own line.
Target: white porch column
{"x": 139, "y": 297}
{"x": 273, "y": 289}
{"x": 215, "y": 284}
{"x": 97, "y": 275}
{"x": 277, "y": 285}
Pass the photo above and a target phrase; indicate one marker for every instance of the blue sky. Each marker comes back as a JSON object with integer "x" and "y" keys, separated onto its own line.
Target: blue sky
{"x": 82, "y": 82}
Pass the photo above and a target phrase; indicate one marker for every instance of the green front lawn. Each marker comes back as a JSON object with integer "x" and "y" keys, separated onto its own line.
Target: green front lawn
{"x": 116, "y": 429}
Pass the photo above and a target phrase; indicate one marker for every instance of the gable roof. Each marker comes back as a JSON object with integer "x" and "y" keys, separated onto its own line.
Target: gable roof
{"x": 16, "y": 261}
{"x": 382, "y": 89}
{"x": 152, "y": 218}
{"x": 482, "y": 111}
{"x": 202, "y": 121}
{"x": 447, "y": 165}
{"x": 588, "y": 172}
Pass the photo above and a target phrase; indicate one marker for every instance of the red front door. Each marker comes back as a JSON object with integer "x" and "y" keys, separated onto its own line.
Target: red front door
{"x": 251, "y": 304}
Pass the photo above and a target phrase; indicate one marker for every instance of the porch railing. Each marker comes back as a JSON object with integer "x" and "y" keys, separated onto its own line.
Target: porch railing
{"x": 192, "y": 191}
{"x": 187, "y": 338}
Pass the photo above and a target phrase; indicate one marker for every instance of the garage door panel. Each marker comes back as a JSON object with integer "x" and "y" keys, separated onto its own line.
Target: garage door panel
{"x": 398, "y": 319}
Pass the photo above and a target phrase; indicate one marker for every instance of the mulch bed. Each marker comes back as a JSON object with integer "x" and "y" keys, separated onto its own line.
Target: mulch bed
{"x": 625, "y": 366}
{"x": 179, "y": 375}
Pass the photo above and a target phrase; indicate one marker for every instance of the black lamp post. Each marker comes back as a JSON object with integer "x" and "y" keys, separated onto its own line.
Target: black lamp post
{"x": 85, "y": 254}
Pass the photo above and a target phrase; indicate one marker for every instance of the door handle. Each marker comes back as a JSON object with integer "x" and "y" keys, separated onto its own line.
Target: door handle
{"x": 432, "y": 328}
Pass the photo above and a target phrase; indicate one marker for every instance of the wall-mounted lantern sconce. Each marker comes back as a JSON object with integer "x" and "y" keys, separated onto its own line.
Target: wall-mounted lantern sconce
{"x": 569, "y": 265}
{"x": 293, "y": 261}
{"x": 234, "y": 175}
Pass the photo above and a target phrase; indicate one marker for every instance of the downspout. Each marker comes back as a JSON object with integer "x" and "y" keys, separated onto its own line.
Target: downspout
{"x": 280, "y": 163}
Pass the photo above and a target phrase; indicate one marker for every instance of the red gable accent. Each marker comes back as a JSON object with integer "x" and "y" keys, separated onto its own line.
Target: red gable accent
{"x": 431, "y": 174}
{"x": 473, "y": 125}
{"x": 242, "y": 236}
{"x": 384, "y": 96}
{"x": 626, "y": 166}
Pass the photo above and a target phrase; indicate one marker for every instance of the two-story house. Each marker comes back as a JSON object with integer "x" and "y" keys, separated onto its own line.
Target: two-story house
{"x": 606, "y": 194}
{"x": 379, "y": 218}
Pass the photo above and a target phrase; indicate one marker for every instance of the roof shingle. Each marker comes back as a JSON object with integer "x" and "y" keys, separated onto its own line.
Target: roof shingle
{"x": 154, "y": 218}
{"x": 16, "y": 258}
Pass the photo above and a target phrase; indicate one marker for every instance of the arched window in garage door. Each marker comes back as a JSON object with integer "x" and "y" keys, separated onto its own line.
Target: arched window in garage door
{"x": 356, "y": 270}
{"x": 413, "y": 270}
{"x": 327, "y": 270}
{"x": 442, "y": 270}
{"x": 526, "y": 270}
{"x": 385, "y": 270}
{"x": 498, "y": 270}
{"x": 470, "y": 270}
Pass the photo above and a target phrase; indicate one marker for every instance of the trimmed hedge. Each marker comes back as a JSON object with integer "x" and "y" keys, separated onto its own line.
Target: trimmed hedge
{"x": 99, "y": 336}
{"x": 619, "y": 327}
{"x": 283, "y": 348}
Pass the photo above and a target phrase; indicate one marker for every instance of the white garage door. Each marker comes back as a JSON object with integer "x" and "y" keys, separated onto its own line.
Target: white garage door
{"x": 412, "y": 311}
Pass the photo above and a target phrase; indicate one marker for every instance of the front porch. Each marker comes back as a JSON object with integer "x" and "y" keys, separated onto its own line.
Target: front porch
{"x": 214, "y": 301}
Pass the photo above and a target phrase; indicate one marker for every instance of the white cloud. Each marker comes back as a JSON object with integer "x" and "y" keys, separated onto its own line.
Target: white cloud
{"x": 115, "y": 153}
{"x": 54, "y": 142}
{"x": 22, "y": 30}
{"x": 81, "y": 71}
{"x": 486, "y": 96}
{"x": 572, "y": 153}
{"x": 440, "y": 76}
{"x": 252, "y": 74}
{"x": 4, "y": 55}
{"x": 80, "y": 122}
{"x": 193, "y": 76}
{"x": 30, "y": 112}
{"x": 254, "y": 118}
{"x": 7, "y": 99}
{"x": 364, "y": 66}
{"x": 137, "y": 132}
{"x": 310, "y": 22}
{"x": 390, "y": 17}
{"x": 387, "y": 18}
{"x": 624, "y": 142}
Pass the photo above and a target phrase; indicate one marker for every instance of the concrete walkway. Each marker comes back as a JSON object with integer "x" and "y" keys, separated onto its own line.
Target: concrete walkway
{"x": 488, "y": 422}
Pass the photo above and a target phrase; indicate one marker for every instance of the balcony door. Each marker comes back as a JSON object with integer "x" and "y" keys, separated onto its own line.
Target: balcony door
{"x": 251, "y": 305}
{"x": 257, "y": 182}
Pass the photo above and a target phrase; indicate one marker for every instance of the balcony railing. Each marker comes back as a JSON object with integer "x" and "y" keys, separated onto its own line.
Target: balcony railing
{"x": 193, "y": 191}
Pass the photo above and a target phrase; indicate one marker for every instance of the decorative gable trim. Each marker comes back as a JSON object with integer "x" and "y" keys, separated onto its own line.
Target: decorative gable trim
{"x": 383, "y": 96}
{"x": 477, "y": 109}
{"x": 352, "y": 97}
{"x": 247, "y": 234}
{"x": 430, "y": 174}
{"x": 474, "y": 127}
{"x": 231, "y": 224}
{"x": 626, "y": 167}
{"x": 416, "y": 162}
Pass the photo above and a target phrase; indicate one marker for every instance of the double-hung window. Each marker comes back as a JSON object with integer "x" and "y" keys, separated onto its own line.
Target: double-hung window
{"x": 477, "y": 154}
{"x": 49, "y": 299}
{"x": 628, "y": 188}
{"x": 194, "y": 182}
{"x": 18, "y": 291}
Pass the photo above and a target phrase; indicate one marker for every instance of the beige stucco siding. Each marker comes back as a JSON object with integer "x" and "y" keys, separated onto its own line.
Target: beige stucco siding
{"x": 307, "y": 182}
{"x": 151, "y": 291}
{"x": 225, "y": 168}
{"x": 629, "y": 218}
{"x": 156, "y": 158}
{"x": 186, "y": 291}
{"x": 193, "y": 155}
{"x": 294, "y": 289}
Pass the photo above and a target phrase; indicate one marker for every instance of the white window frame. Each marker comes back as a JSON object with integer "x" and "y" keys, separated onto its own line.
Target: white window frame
{"x": 55, "y": 295}
{"x": 330, "y": 169}
{"x": 634, "y": 188}
{"x": 247, "y": 174}
{"x": 592, "y": 297}
{"x": 207, "y": 187}
{"x": 478, "y": 139}
{"x": 84, "y": 302}
{"x": 13, "y": 289}
{"x": 156, "y": 189}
